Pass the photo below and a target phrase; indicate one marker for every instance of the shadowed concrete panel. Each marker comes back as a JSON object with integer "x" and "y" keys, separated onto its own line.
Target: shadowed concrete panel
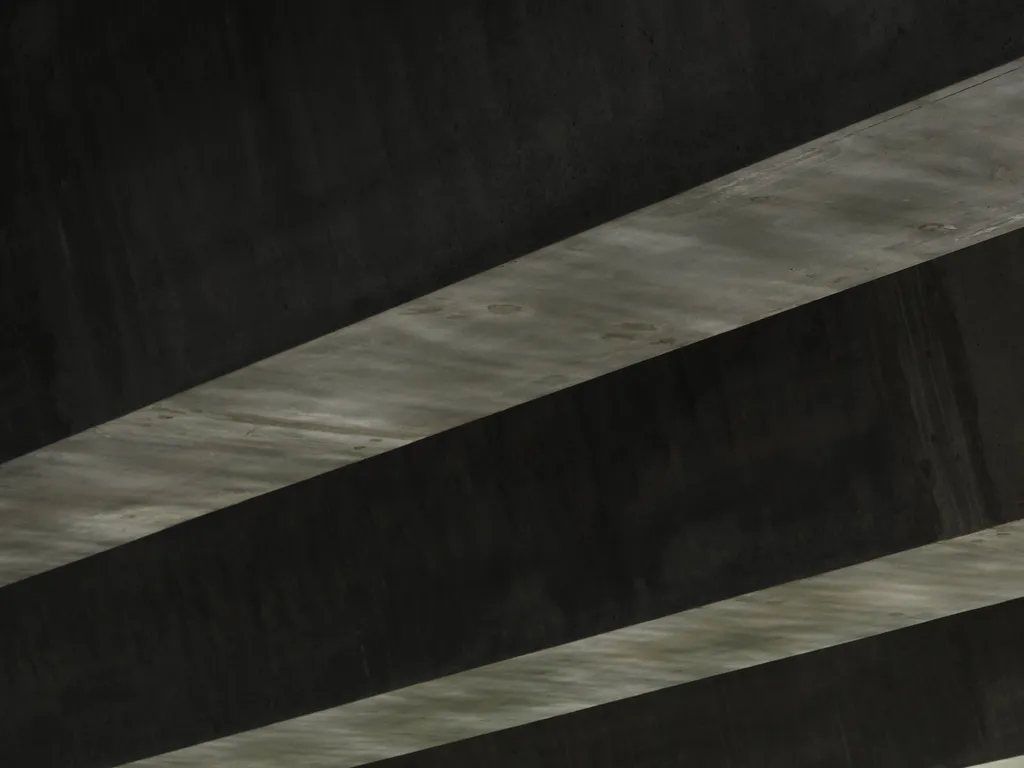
{"x": 847, "y": 429}
{"x": 195, "y": 188}
{"x": 930, "y": 177}
{"x": 947, "y": 693}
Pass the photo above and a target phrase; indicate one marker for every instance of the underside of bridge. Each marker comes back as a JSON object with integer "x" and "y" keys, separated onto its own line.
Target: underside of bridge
{"x": 512, "y": 383}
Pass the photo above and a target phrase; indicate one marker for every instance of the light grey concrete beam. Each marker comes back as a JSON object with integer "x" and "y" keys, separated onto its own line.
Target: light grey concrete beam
{"x": 862, "y": 601}
{"x": 929, "y": 178}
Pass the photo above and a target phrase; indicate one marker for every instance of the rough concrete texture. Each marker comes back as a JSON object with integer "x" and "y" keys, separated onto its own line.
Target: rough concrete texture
{"x": 194, "y": 187}
{"x": 948, "y": 693}
{"x": 863, "y": 424}
{"x": 864, "y": 600}
{"x": 931, "y": 177}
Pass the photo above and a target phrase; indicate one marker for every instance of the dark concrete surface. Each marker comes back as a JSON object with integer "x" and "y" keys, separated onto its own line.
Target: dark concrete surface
{"x": 875, "y": 420}
{"x": 947, "y": 694}
{"x": 193, "y": 187}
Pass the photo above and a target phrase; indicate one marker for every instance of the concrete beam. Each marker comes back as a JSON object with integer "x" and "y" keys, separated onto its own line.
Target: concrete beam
{"x": 865, "y": 600}
{"x": 191, "y": 191}
{"x": 879, "y": 419}
{"x": 948, "y": 692}
{"x": 931, "y": 177}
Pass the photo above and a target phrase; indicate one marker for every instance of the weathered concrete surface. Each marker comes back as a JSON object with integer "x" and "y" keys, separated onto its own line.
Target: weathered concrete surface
{"x": 948, "y": 693}
{"x": 861, "y": 601}
{"x": 195, "y": 188}
{"x": 931, "y": 177}
{"x": 863, "y": 424}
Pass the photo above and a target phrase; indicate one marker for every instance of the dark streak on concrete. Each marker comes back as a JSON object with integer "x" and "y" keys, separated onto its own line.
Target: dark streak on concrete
{"x": 195, "y": 187}
{"x": 850, "y": 428}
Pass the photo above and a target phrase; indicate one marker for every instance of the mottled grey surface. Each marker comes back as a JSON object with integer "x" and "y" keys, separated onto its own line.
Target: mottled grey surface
{"x": 929, "y": 178}
{"x": 838, "y": 607}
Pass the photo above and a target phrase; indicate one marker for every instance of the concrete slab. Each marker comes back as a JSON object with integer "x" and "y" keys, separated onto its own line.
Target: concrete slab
{"x": 928, "y": 178}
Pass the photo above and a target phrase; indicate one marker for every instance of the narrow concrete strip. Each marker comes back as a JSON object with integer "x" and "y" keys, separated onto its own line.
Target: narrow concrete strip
{"x": 924, "y": 180}
{"x": 865, "y": 600}
{"x": 946, "y": 693}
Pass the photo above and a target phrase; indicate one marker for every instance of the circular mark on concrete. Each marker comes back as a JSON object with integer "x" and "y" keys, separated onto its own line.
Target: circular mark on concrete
{"x": 617, "y": 336}
{"x": 665, "y": 342}
{"x": 761, "y": 199}
{"x": 424, "y": 309}
{"x": 503, "y": 309}
{"x": 359, "y": 448}
{"x": 635, "y": 326}
{"x": 375, "y": 439}
{"x": 933, "y": 226}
